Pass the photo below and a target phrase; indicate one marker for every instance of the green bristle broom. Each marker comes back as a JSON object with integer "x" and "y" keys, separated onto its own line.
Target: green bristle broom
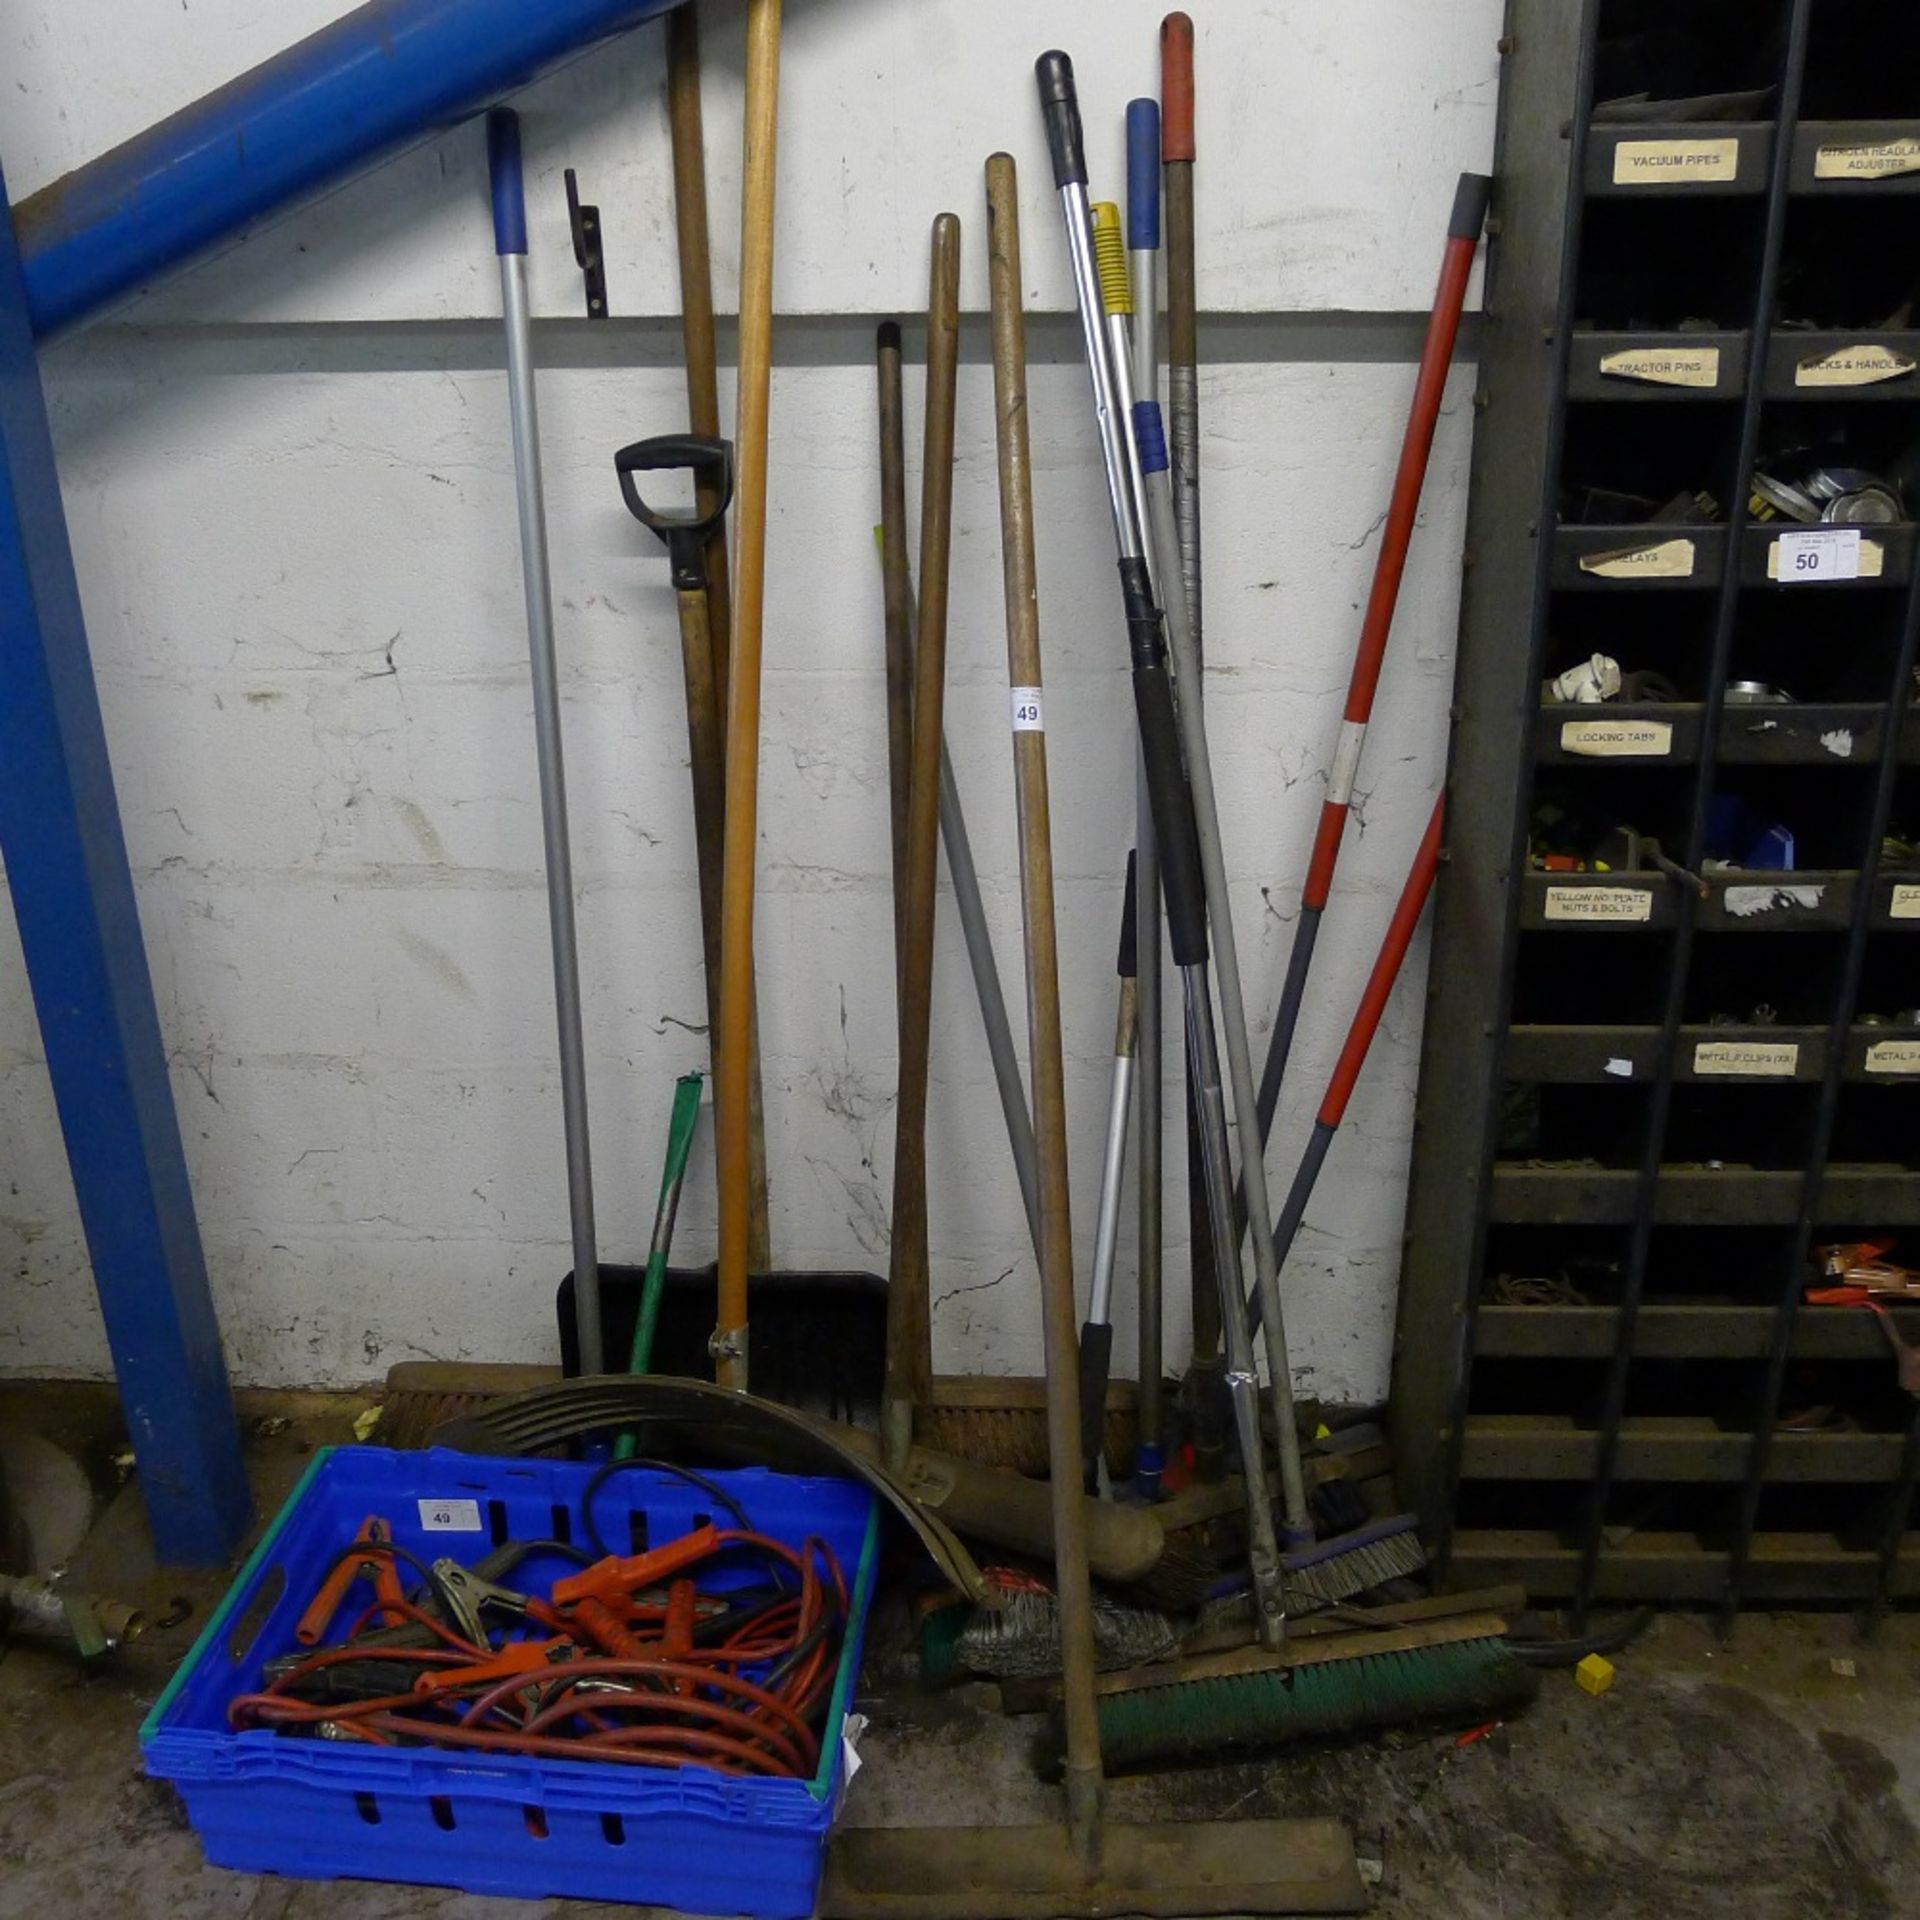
{"x": 1204, "y": 1712}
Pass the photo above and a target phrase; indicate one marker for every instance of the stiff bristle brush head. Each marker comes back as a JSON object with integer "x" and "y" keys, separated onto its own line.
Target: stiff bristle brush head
{"x": 1021, "y": 1641}
{"x": 1203, "y": 1722}
{"x": 1333, "y": 1570}
{"x": 1181, "y": 1578}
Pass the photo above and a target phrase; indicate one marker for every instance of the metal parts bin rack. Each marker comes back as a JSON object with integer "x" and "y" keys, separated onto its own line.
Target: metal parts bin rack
{"x": 1655, "y": 1080}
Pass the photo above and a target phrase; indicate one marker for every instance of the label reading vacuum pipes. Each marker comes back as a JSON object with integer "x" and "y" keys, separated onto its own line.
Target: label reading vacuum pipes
{"x": 1864, "y": 365}
{"x": 1894, "y": 1056}
{"x": 1028, "y": 716}
{"x": 1664, "y": 366}
{"x": 1906, "y": 903}
{"x": 1819, "y": 554}
{"x": 1615, "y": 905}
{"x": 1756, "y": 1059}
{"x": 1673, "y": 163}
{"x": 449, "y": 1516}
{"x": 1617, "y": 739}
{"x": 1664, "y": 560}
{"x": 1870, "y": 160}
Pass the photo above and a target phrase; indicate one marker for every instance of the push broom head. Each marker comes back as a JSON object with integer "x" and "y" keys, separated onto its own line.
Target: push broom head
{"x": 1022, "y": 1640}
{"x": 1333, "y": 1570}
{"x": 1233, "y": 1714}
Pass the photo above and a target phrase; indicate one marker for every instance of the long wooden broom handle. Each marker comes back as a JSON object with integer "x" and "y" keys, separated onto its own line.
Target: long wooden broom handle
{"x": 1083, "y": 1775}
{"x": 897, "y": 582}
{"x": 909, "y": 1364}
{"x": 703, "y": 417}
{"x": 733, "y": 1078}
{"x": 696, "y": 296}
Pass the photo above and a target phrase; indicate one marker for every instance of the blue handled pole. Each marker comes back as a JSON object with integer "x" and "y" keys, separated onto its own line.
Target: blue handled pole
{"x": 510, "y": 243}
{"x": 1143, "y": 247}
{"x": 390, "y": 73}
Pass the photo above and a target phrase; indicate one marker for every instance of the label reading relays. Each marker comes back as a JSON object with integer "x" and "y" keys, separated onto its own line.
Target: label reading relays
{"x": 1675, "y": 163}
{"x": 1663, "y": 560}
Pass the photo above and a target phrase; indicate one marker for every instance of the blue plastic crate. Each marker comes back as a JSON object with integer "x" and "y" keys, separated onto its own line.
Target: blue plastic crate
{"x": 702, "y": 1841}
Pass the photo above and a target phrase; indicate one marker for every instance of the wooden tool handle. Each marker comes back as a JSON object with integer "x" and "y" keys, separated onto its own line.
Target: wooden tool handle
{"x": 707, "y": 757}
{"x": 897, "y": 585}
{"x": 909, "y": 1364}
{"x": 733, "y": 1079}
{"x": 1071, "y": 1541}
{"x": 696, "y": 294}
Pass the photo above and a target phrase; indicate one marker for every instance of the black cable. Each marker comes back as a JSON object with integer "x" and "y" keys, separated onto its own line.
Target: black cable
{"x": 712, "y": 1489}
{"x": 1537, "y": 1650}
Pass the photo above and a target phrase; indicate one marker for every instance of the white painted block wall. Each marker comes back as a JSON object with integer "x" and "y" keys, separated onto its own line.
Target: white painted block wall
{"x": 289, "y": 486}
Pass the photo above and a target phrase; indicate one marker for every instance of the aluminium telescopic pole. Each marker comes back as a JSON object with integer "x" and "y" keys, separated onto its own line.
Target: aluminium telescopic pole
{"x": 1173, "y": 819}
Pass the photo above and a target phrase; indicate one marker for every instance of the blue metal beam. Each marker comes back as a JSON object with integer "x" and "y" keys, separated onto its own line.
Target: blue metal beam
{"x": 389, "y": 73}
{"x": 73, "y": 899}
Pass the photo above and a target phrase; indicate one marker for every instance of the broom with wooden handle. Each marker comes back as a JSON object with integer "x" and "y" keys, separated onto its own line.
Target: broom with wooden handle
{"x": 733, "y": 1078}
{"x": 909, "y": 1364}
{"x": 703, "y": 418}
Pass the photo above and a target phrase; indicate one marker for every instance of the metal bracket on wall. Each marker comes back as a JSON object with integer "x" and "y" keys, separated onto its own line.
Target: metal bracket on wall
{"x": 587, "y": 255}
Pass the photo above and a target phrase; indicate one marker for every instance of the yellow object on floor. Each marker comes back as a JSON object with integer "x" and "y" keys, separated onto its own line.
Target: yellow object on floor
{"x": 1594, "y": 1675}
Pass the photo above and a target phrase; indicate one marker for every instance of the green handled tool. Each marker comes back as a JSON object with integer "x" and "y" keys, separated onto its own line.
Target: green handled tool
{"x": 680, "y": 1126}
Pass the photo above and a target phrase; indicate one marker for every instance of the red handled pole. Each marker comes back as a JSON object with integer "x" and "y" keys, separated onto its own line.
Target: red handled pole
{"x": 1443, "y": 328}
{"x": 1366, "y": 1023}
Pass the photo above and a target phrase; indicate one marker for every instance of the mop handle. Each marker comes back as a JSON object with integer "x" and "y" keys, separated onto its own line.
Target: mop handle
{"x": 505, "y": 179}
{"x": 1171, "y": 803}
{"x": 1366, "y": 1023}
{"x": 1143, "y": 177}
{"x": 1386, "y": 969}
{"x": 1443, "y": 329}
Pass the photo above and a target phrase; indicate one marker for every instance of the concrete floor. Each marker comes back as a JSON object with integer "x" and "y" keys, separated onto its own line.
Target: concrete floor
{"x": 1753, "y": 1780}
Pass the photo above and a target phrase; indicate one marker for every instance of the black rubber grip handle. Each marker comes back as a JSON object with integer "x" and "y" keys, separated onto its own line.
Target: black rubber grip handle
{"x": 1060, "y": 108}
{"x": 1470, "y": 199}
{"x": 709, "y": 461}
{"x": 686, "y": 533}
{"x": 1129, "y": 964}
{"x": 1096, "y": 1357}
{"x": 1167, "y": 792}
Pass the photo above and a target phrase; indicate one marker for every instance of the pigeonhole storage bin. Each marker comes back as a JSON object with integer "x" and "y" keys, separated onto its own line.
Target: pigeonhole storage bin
{"x": 695, "y": 1839}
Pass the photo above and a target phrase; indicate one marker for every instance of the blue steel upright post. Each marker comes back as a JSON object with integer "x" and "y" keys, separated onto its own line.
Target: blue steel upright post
{"x": 390, "y": 72}
{"x": 73, "y": 900}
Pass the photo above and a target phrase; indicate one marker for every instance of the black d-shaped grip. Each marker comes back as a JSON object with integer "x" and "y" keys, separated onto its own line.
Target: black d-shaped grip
{"x": 686, "y": 534}
{"x": 1060, "y": 108}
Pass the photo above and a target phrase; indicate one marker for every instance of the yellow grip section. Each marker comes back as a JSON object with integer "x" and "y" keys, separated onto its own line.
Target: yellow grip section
{"x": 1110, "y": 256}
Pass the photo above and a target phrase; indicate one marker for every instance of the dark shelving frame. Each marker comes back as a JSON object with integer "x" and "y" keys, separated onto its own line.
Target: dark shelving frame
{"x": 1497, "y": 918}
